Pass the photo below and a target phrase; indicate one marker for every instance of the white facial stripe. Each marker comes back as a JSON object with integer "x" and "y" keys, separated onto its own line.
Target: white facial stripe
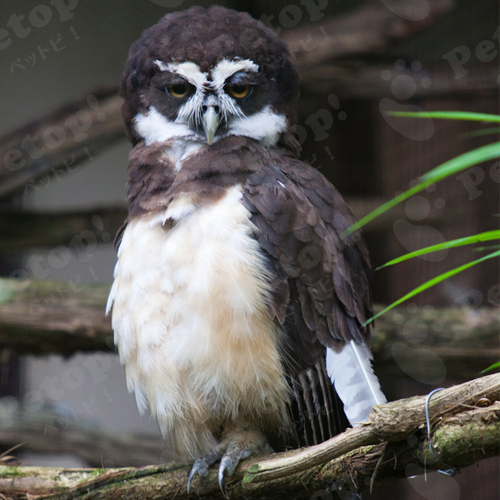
{"x": 192, "y": 110}
{"x": 191, "y": 72}
{"x": 153, "y": 127}
{"x": 161, "y": 65}
{"x": 226, "y": 68}
{"x": 264, "y": 126}
{"x": 222, "y": 71}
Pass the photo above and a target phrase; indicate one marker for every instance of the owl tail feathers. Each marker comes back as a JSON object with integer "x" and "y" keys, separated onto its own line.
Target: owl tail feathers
{"x": 352, "y": 375}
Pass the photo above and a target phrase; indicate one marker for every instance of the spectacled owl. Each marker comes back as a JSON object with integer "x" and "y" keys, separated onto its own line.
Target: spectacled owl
{"x": 238, "y": 305}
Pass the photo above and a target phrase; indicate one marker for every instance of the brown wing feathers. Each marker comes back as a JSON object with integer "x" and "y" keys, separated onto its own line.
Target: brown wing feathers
{"x": 300, "y": 218}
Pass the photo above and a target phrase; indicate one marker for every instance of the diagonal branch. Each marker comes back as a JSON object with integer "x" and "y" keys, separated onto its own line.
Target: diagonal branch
{"x": 391, "y": 422}
{"x": 57, "y": 142}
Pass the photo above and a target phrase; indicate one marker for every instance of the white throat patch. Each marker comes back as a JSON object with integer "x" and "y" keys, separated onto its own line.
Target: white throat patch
{"x": 155, "y": 127}
{"x": 183, "y": 141}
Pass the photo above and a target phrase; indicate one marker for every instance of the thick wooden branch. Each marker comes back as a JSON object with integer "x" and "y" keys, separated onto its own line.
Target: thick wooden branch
{"x": 465, "y": 428}
{"x": 391, "y": 422}
{"x": 430, "y": 345}
{"x": 362, "y": 79}
{"x": 40, "y": 317}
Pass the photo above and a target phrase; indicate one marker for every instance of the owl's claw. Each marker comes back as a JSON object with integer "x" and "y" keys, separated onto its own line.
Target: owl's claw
{"x": 230, "y": 452}
{"x": 222, "y": 479}
{"x": 192, "y": 472}
{"x": 228, "y": 465}
{"x": 201, "y": 465}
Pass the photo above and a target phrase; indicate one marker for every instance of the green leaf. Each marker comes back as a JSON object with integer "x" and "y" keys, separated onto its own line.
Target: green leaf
{"x": 450, "y": 167}
{"x": 463, "y": 161}
{"x": 483, "y": 131}
{"x": 492, "y": 367}
{"x": 468, "y": 240}
{"x": 487, "y": 247}
{"x": 434, "y": 281}
{"x": 448, "y": 115}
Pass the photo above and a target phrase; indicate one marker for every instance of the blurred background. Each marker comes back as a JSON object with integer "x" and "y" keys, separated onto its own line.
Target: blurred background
{"x": 357, "y": 60}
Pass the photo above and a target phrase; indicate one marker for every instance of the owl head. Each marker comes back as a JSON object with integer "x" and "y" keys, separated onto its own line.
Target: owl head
{"x": 203, "y": 74}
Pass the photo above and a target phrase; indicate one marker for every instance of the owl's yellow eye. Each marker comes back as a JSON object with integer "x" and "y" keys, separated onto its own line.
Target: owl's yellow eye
{"x": 178, "y": 90}
{"x": 239, "y": 91}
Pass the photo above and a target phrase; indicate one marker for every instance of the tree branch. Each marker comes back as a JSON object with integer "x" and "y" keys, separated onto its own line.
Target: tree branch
{"x": 20, "y": 231}
{"x": 40, "y": 317}
{"x": 361, "y": 79}
{"x": 391, "y": 422}
{"x": 391, "y": 444}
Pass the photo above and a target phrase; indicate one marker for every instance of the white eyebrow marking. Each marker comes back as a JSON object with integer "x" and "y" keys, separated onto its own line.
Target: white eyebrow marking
{"x": 225, "y": 68}
{"x": 189, "y": 70}
{"x": 161, "y": 65}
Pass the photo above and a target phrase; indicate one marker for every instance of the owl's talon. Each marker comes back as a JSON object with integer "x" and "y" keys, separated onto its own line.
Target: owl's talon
{"x": 230, "y": 454}
{"x": 192, "y": 472}
{"x": 234, "y": 454}
{"x": 222, "y": 479}
{"x": 200, "y": 467}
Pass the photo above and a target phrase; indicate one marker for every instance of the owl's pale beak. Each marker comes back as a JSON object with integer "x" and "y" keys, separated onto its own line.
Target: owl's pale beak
{"x": 211, "y": 117}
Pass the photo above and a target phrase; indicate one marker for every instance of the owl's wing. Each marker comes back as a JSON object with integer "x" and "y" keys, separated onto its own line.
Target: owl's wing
{"x": 320, "y": 292}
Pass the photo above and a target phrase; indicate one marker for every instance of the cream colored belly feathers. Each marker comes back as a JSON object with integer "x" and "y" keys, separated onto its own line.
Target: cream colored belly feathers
{"x": 190, "y": 322}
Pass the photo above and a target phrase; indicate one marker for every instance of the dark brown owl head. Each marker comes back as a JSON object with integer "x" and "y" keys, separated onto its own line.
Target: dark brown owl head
{"x": 203, "y": 74}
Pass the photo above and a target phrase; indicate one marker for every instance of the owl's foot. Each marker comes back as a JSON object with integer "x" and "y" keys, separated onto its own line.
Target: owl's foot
{"x": 237, "y": 444}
